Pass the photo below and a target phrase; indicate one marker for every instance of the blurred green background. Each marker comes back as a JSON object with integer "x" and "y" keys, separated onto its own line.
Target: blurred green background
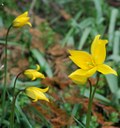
{"x": 59, "y": 25}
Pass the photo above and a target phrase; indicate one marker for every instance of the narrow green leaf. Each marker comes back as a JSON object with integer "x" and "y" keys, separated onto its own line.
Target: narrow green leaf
{"x": 23, "y": 115}
{"x": 84, "y": 37}
{"x": 98, "y": 8}
{"x": 118, "y": 94}
{"x": 41, "y": 116}
{"x": 86, "y": 23}
{"x": 113, "y": 19}
{"x": 116, "y": 47}
{"x": 116, "y": 43}
{"x": 97, "y": 96}
{"x": 112, "y": 83}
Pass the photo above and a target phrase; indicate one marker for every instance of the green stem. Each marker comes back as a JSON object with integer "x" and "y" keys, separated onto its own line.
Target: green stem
{"x": 13, "y": 102}
{"x": 89, "y": 106}
{"x": 96, "y": 85}
{"x": 5, "y": 64}
{"x": 91, "y": 96}
{"x": 5, "y": 77}
{"x": 15, "y": 82}
{"x": 13, "y": 109}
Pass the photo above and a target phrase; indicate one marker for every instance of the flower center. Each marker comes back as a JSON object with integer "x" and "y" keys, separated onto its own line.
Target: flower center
{"x": 90, "y": 64}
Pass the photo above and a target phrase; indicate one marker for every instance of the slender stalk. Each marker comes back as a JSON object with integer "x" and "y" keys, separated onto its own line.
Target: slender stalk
{"x": 15, "y": 82}
{"x": 13, "y": 109}
{"x": 13, "y": 102}
{"x": 5, "y": 64}
{"x": 98, "y": 76}
{"x": 5, "y": 77}
{"x": 79, "y": 122}
{"x": 89, "y": 106}
{"x": 91, "y": 96}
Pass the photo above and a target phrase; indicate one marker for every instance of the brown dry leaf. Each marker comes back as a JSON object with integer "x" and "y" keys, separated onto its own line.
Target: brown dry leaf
{"x": 60, "y": 69}
{"x": 35, "y": 32}
{"x": 107, "y": 109}
{"x": 16, "y": 53}
{"x": 96, "y": 110}
{"x": 23, "y": 63}
{"x": 65, "y": 14}
{"x": 38, "y": 20}
{"x": 18, "y": 63}
{"x": 56, "y": 116}
{"x": 36, "y": 41}
{"x": 1, "y": 52}
{"x": 57, "y": 51}
{"x": 108, "y": 125}
{"x": 56, "y": 82}
{"x": 99, "y": 110}
{"x": 60, "y": 116}
{"x": 11, "y": 11}
{"x": 76, "y": 100}
{"x": 3, "y": 32}
{"x": 57, "y": 56}
{"x": 100, "y": 117}
{"x": 115, "y": 3}
{"x": 14, "y": 71}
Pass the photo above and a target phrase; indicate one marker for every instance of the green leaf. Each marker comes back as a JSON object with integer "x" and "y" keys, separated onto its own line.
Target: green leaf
{"x": 116, "y": 47}
{"x": 97, "y": 96}
{"x": 98, "y": 8}
{"x": 84, "y": 37}
{"x": 23, "y": 115}
{"x": 113, "y": 18}
{"x": 112, "y": 83}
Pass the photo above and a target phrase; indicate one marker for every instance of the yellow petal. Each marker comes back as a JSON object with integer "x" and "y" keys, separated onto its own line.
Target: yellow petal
{"x": 29, "y": 24}
{"x": 35, "y": 100}
{"x": 21, "y": 20}
{"x": 39, "y": 75}
{"x": 25, "y": 14}
{"x": 29, "y": 92}
{"x": 98, "y": 50}
{"x": 84, "y": 73}
{"x": 78, "y": 79}
{"x": 41, "y": 96}
{"x": 81, "y": 59}
{"x": 105, "y": 69}
{"x": 28, "y": 73}
{"x": 33, "y": 74}
{"x": 38, "y": 67}
{"x": 42, "y": 90}
{"x": 36, "y": 93}
{"x": 32, "y": 78}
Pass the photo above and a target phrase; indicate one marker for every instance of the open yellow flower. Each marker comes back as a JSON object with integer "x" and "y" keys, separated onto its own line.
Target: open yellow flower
{"x": 90, "y": 63}
{"x": 33, "y": 73}
{"x": 36, "y": 93}
{"x": 21, "y": 20}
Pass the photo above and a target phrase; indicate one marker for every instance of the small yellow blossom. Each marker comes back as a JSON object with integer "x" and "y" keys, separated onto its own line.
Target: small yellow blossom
{"x": 33, "y": 73}
{"x": 90, "y": 63}
{"x": 21, "y": 20}
{"x": 36, "y": 93}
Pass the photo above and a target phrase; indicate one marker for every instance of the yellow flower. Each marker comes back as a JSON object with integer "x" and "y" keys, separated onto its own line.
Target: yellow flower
{"x": 22, "y": 20}
{"x": 36, "y": 93}
{"x": 90, "y": 63}
{"x": 33, "y": 73}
